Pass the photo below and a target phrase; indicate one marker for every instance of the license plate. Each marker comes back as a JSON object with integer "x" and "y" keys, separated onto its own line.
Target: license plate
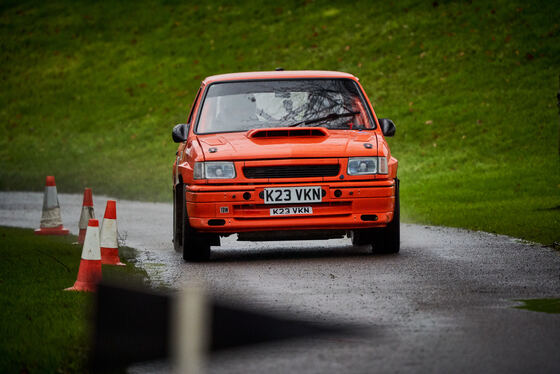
{"x": 292, "y": 195}
{"x": 291, "y": 210}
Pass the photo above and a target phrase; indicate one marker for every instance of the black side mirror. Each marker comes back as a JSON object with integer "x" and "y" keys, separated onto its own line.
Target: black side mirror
{"x": 387, "y": 126}
{"x": 179, "y": 133}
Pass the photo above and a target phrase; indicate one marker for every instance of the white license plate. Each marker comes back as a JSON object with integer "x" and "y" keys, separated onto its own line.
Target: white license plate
{"x": 292, "y": 195}
{"x": 291, "y": 210}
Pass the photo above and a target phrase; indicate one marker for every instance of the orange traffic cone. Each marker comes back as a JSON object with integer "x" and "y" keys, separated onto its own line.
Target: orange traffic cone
{"x": 51, "y": 220}
{"x": 87, "y": 214}
{"x": 89, "y": 273}
{"x": 108, "y": 236}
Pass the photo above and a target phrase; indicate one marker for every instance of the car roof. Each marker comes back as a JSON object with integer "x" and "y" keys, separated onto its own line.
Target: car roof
{"x": 282, "y": 74}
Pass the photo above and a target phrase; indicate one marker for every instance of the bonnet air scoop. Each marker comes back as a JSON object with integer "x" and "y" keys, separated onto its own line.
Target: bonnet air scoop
{"x": 285, "y": 132}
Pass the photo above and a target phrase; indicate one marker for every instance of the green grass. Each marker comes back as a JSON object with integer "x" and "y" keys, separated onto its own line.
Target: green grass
{"x": 90, "y": 92}
{"x": 44, "y": 329}
{"x": 541, "y": 305}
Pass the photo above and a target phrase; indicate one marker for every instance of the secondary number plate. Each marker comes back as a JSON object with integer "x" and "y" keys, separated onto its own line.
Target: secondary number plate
{"x": 292, "y": 195}
{"x": 291, "y": 210}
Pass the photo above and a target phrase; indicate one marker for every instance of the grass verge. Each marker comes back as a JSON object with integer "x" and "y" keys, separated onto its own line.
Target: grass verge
{"x": 43, "y": 328}
{"x": 90, "y": 92}
{"x": 541, "y": 305}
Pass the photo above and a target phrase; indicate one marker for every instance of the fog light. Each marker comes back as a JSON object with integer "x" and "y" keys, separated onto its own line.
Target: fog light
{"x": 337, "y": 193}
{"x": 216, "y": 222}
{"x": 246, "y": 195}
{"x": 369, "y": 217}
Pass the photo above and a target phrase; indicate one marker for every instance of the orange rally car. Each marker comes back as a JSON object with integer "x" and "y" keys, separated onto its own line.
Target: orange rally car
{"x": 284, "y": 155}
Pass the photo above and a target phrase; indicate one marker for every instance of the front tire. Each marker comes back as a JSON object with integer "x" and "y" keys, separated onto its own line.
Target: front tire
{"x": 388, "y": 239}
{"x": 195, "y": 246}
{"x": 178, "y": 207}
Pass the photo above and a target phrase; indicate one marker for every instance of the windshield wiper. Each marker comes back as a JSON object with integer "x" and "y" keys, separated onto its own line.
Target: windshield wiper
{"x": 329, "y": 117}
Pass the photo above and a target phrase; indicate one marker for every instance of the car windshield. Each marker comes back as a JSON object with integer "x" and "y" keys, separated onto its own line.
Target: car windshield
{"x": 246, "y": 105}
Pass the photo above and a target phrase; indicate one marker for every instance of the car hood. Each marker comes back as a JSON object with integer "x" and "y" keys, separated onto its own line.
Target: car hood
{"x": 252, "y": 145}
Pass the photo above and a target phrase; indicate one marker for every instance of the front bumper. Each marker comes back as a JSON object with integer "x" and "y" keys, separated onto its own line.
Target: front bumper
{"x": 238, "y": 208}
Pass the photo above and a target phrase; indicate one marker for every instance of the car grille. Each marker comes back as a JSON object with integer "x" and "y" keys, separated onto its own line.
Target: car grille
{"x": 291, "y": 171}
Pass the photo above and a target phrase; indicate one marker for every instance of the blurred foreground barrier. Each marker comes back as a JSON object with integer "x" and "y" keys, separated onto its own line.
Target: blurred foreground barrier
{"x": 138, "y": 325}
{"x": 51, "y": 220}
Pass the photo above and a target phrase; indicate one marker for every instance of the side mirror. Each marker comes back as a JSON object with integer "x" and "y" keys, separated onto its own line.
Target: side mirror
{"x": 179, "y": 133}
{"x": 387, "y": 126}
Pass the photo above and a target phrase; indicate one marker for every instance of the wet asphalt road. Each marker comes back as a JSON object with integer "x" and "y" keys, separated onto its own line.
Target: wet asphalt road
{"x": 443, "y": 305}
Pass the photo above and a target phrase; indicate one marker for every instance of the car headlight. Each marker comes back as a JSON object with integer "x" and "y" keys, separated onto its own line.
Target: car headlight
{"x": 367, "y": 165}
{"x": 214, "y": 170}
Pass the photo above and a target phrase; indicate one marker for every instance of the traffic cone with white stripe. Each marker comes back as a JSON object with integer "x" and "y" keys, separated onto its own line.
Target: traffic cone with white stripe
{"x": 51, "y": 220}
{"x": 89, "y": 273}
{"x": 108, "y": 236}
{"x": 86, "y": 215}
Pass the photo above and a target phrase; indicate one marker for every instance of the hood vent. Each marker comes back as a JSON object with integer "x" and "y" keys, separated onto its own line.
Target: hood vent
{"x": 287, "y": 132}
